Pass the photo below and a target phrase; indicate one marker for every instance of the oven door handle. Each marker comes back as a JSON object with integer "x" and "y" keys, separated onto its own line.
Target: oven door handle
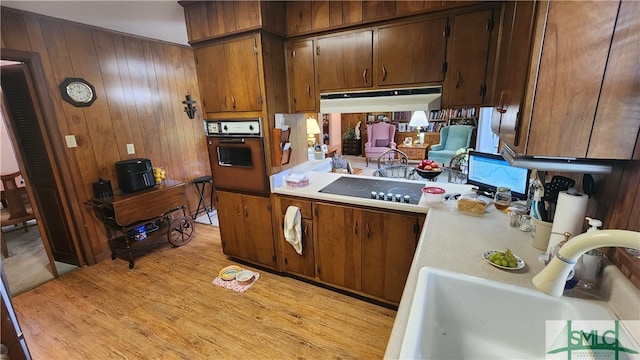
{"x": 231, "y": 141}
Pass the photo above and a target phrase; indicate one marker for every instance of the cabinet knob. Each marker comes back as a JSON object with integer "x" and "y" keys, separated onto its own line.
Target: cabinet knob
{"x": 309, "y": 90}
{"x": 459, "y": 80}
{"x": 384, "y": 73}
{"x": 364, "y": 75}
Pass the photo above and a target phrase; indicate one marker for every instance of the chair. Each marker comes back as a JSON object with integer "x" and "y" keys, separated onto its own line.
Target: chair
{"x": 380, "y": 138}
{"x": 200, "y": 183}
{"x": 452, "y": 138}
{"x": 393, "y": 163}
{"x": 18, "y": 205}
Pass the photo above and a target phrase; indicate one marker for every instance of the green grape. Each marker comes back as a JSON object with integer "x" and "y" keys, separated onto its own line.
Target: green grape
{"x": 505, "y": 263}
{"x": 496, "y": 261}
{"x": 512, "y": 264}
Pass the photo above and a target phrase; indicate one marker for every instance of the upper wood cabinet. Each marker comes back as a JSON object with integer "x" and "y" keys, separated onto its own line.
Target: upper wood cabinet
{"x": 412, "y": 53}
{"x": 228, "y": 74}
{"x": 582, "y": 83}
{"x": 210, "y": 19}
{"x": 473, "y": 41}
{"x": 302, "y": 82}
{"x": 345, "y": 61}
{"x": 512, "y": 65}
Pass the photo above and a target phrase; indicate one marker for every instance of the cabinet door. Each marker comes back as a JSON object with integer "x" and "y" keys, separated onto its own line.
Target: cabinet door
{"x": 616, "y": 130}
{"x": 241, "y": 60}
{"x": 212, "y": 76}
{"x": 258, "y": 230}
{"x": 300, "y": 264}
{"x": 513, "y": 63}
{"x": 302, "y": 78}
{"x": 337, "y": 245}
{"x": 412, "y": 53}
{"x": 388, "y": 244}
{"x": 345, "y": 61}
{"x": 570, "y": 77}
{"x": 298, "y": 17}
{"x": 465, "y": 78}
{"x": 232, "y": 224}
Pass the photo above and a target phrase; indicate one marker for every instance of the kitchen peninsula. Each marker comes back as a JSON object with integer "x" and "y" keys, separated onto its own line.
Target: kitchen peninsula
{"x": 455, "y": 241}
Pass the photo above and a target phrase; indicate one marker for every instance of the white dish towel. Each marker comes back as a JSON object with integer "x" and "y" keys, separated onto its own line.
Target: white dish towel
{"x": 293, "y": 228}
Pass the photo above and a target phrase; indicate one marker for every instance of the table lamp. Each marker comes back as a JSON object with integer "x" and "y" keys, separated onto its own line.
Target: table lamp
{"x": 418, "y": 120}
{"x": 312, "y": 130}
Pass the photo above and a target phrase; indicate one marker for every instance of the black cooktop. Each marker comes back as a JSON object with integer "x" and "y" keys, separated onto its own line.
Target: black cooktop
{"x": 363, "y": 188}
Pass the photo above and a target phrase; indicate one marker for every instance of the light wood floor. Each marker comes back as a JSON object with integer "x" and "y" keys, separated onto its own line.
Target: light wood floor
{"x": 167, "y": 308}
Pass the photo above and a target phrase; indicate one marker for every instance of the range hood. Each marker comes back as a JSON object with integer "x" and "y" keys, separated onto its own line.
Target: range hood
{"x": 559, "y": 164}
{"x": 407, "y": 99}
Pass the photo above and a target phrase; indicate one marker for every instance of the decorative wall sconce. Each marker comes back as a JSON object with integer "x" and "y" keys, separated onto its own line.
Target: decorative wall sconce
{"x": 190, "y": 109}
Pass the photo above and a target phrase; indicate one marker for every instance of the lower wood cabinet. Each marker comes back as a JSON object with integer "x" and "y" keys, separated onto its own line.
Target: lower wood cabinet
{"x": 389, "y": 242}
{"x": 246, "y": 228}
{"x": 368, "y": 251}
{"x": 293, "y": 262}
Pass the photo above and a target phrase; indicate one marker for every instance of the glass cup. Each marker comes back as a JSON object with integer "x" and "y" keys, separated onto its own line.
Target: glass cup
{"x": 525, "y": 223}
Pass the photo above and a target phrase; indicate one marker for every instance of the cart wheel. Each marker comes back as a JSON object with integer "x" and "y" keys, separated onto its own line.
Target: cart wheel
{"x": 181, "y": 231}
{"x": 131, "y": 264}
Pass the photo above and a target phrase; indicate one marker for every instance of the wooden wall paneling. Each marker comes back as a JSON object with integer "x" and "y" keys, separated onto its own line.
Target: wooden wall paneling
{"x": 634, "y": 212}
{"x": 197, "y": 132}
{"x": 126, "y": 79}
{"x": 407, "y": 7}
{"x": 114, "y": 92}
{"x": 96, "y": 117}
{"x": 297, "y": 21}
{"x": 351, "y": 12}
{"x": 14, "y": 34}
{"x": 167, "y": 134}
{"x": 626, "y": 195}
{"x": 210, "y": 12}
{"x": 247, "y": 14}
{"x": 319, "y": 14}
{"x": 335, "y": 13}
{"x": 377, "y": 9}
{"x": 197, "y": 20}
{"x": 226, "y": 16}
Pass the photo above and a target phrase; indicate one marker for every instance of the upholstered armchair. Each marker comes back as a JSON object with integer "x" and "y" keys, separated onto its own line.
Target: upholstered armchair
{"x": 452, "y": 138}
{"x": 380, "y": 138}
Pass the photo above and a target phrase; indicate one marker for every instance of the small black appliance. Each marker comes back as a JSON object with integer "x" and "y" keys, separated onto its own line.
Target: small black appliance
{"x": 135, "y": 175}
{"x": 102, "y": 189}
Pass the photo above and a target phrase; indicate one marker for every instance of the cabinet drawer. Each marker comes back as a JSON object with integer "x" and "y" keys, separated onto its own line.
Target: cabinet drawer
{"x": 305, "y": 206}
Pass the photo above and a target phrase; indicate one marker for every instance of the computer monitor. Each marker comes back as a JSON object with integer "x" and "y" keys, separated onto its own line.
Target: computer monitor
{"x": 490, "y": 171}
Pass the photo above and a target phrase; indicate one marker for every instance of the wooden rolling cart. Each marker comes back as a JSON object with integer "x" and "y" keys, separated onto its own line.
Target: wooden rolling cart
{"x": 145, "y": 215}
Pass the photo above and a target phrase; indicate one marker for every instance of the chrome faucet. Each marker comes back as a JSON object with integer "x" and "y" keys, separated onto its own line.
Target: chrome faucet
{"x": 552, "y": 278}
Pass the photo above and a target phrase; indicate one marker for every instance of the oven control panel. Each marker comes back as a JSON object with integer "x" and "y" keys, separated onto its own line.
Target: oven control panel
{"x": 233, "y": 128}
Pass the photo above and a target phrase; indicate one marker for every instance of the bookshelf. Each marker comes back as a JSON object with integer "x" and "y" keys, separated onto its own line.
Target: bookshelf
{"x": 444, "y": 117}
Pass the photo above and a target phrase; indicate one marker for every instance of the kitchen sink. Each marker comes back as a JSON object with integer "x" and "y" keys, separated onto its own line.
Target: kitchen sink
{"x": 456, "y": 316}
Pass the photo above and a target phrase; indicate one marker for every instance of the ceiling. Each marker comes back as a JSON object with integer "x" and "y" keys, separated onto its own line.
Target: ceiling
{"x": 157, "y": 19}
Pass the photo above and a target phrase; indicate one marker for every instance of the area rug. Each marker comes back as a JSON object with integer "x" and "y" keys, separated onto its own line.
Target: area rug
{"x": 234, "y": 285}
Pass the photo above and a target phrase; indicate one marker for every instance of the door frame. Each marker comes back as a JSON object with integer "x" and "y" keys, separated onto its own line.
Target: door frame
{"x": 61, "y": 166}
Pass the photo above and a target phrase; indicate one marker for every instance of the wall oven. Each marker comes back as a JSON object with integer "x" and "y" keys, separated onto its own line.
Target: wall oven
{"x": 237, "y": 155}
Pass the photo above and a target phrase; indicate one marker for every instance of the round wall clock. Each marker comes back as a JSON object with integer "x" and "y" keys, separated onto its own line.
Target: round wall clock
{"x": 77, "y": 92}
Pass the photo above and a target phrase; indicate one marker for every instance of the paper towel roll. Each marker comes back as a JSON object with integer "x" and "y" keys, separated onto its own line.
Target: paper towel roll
{"x": 569, "y": 217}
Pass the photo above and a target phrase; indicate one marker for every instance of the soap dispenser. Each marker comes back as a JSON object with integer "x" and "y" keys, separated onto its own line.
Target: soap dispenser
{"x": 589, "y": 265}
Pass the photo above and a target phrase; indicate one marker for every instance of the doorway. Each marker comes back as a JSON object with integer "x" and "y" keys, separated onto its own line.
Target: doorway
{"x": 51, "y": 228}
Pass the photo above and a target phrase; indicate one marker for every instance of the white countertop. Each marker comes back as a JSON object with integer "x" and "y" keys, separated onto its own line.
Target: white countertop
{"x": 318, "y": 180}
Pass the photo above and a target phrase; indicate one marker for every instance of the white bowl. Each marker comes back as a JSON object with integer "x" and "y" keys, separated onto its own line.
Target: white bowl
{"x": 244, "y": 276}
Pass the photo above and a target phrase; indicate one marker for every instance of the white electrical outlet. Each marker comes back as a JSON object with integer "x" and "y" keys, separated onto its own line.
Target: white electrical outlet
{"x": 71, "y": 141}
{"x": 131, "y": 149}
